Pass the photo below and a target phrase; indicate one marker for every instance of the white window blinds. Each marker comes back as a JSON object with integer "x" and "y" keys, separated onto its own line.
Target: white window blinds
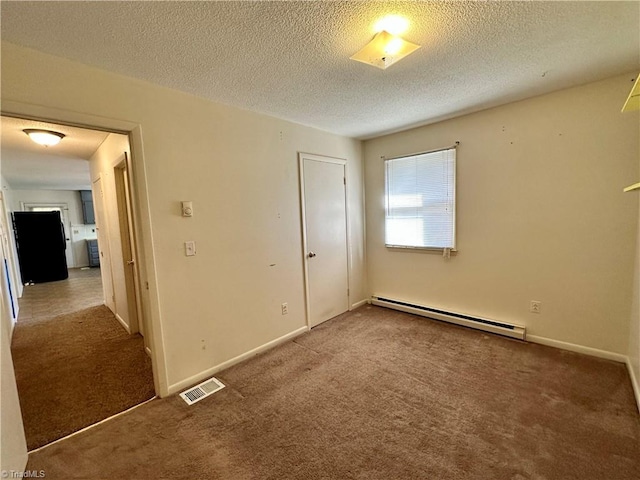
{"x": 420, "y": 200}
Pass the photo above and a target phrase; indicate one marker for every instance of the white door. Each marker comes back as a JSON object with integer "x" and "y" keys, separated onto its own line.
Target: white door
{"x": 325, "y": 239}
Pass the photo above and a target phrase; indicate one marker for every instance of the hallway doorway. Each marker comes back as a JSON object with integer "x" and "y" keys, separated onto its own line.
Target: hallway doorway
{"x": 78, "y": 348}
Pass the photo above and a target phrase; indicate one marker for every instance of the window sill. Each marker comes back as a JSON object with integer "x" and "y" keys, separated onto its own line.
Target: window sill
{"x": 437, "y": 250}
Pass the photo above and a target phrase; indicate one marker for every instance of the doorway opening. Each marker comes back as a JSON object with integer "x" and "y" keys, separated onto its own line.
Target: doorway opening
{"x": 78, "y": 347}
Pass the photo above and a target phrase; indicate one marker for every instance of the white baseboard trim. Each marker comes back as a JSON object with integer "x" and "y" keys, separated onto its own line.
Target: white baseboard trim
{"x": 360, "y": 303}
{"x": 634, "y": 382}
{"x": 123, "y": 323}
{"x": 148, "y": 350}
{"x": 187, "y": 382}
{"x": 594, "y": 352}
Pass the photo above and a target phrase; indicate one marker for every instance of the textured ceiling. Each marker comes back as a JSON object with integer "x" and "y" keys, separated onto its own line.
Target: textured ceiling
{"x": 27, "y": 165}
{"x": 291, "y": 59}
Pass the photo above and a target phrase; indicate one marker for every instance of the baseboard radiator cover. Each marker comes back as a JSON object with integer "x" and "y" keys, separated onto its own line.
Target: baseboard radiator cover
{"x": 479, "y": 323}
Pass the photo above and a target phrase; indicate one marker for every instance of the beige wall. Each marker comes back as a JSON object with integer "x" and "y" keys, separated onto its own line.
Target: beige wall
{"x": 70, "y": 197}
{"x": 13, "y": 451}
{"x": 102, "y": 162}
{"x": 541, "y": 216}
{"x": 240, "y": 170}
{"x": 13, "y": 454}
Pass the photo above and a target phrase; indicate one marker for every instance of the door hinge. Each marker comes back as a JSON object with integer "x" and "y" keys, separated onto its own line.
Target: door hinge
{"x": 347, "y": 292}
{"x": 344, "y": 180}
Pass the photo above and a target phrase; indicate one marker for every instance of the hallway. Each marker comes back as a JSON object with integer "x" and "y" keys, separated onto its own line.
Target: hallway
{"x": 74, "y": 363}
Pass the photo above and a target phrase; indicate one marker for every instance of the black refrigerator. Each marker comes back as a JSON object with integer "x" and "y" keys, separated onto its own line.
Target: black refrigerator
{"x": 41, "y": 246}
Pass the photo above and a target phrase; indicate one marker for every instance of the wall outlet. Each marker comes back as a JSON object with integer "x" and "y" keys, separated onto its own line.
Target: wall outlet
{"x": 285, "y": 308}
{"x": 190, "y": 248}
{"x": 536, "y": 306}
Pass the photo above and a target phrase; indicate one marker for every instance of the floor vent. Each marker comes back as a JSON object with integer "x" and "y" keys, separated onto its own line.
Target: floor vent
{"x": 197, "y": 393}
{"x": 493, "y": 326}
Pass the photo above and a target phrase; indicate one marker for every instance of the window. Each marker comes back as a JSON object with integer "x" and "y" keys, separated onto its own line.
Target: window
{"x": 420, "y": 200}
{"x": 44, "y": 209}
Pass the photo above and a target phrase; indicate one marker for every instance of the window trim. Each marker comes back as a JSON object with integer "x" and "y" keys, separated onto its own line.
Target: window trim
{"x": 453, "y": 249}
{"x": 426, "y": 152}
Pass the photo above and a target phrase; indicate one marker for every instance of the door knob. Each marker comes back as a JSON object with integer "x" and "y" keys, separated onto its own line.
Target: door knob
{"x": 311, "y": 255}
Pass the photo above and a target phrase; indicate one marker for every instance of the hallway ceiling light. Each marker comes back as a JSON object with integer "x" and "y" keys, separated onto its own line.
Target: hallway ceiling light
{"x": 47, "y": 138}
{"x": 384, "y": 50}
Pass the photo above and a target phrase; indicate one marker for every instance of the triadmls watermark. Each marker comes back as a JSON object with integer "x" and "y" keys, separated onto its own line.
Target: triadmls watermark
{"x": 21, "y": 474}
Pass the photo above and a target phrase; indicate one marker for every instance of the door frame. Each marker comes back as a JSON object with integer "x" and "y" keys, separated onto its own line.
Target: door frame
{"x": 13, "y": 278}
{"x": 140, "y": 203}
{"x": 302, "y": 156}
{"x": 128, "y": 240}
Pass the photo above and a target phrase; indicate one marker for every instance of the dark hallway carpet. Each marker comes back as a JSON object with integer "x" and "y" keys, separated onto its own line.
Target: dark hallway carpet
{"x": 76, "y": 369}
{"x": 378, "y": 394}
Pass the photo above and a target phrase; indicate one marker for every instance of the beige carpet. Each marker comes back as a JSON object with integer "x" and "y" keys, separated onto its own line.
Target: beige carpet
{"x": 76, "y": 368}
{"x": 378, "y": 394}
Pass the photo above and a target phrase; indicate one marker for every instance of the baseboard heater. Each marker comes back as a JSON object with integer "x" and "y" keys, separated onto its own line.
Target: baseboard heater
{"x": 479, "y": 323}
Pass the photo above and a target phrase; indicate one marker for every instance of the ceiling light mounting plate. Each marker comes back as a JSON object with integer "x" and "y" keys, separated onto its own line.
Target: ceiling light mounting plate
{"x": 384, "y": 50}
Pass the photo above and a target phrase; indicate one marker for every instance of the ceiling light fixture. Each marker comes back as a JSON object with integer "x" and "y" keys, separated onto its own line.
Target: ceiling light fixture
{"x": 48, "y": 138}
{"x": 384, "y": 50}
{"x": 394, "y": 24}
